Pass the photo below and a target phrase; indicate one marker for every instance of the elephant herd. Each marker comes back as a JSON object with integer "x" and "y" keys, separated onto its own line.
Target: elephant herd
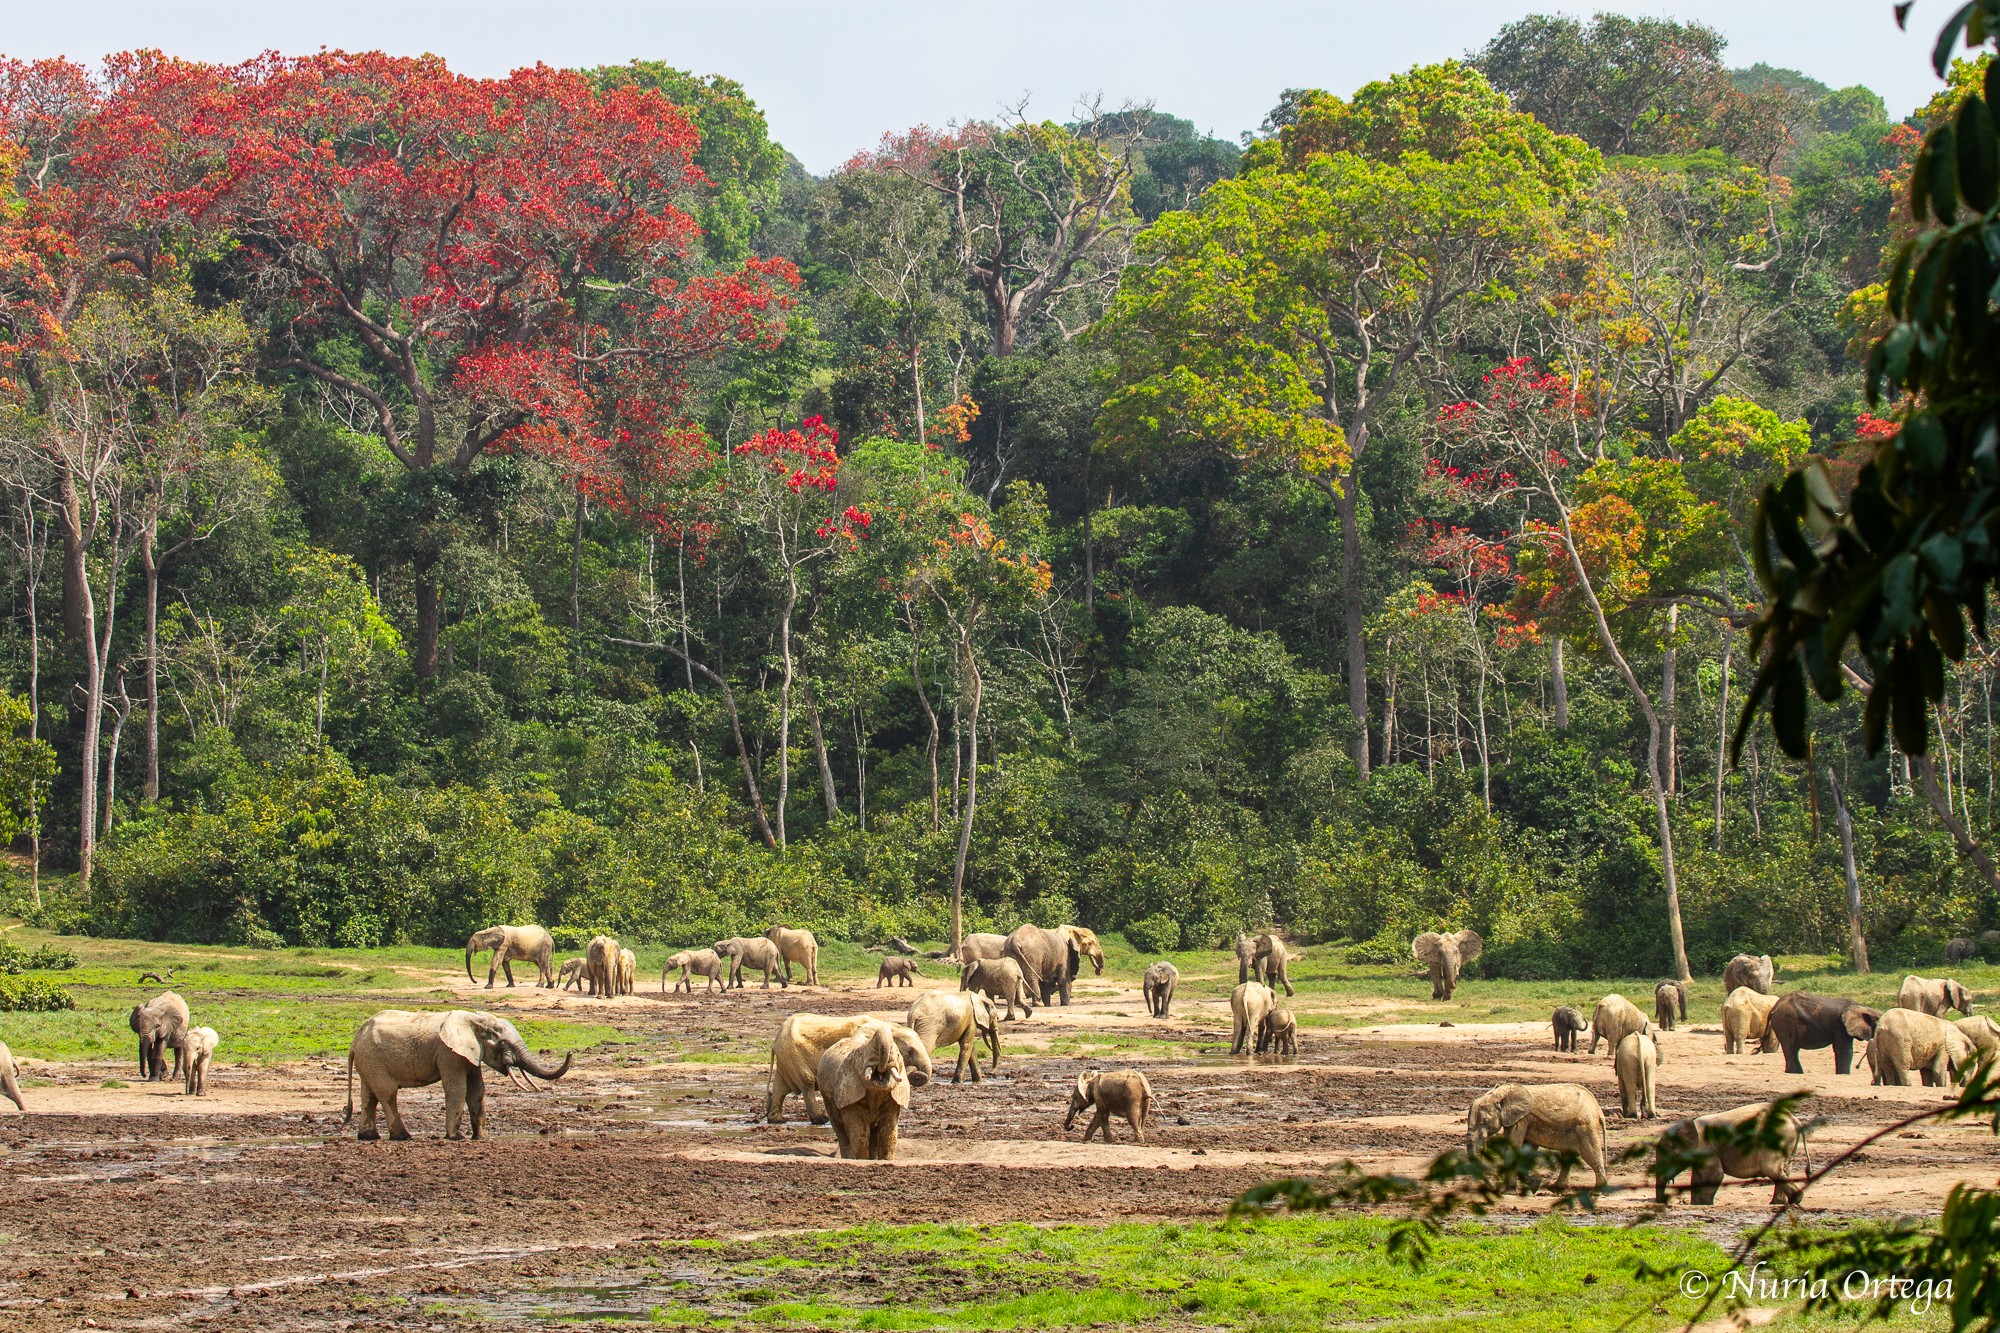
{"x": 608, "y": 969}
{"x": 161, "y": 1024}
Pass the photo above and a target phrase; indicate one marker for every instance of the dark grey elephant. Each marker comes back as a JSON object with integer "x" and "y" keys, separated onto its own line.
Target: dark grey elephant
{"x": 1049, "y": 959}
{"x": 1158, "y": 988}
{"x": 1669, "y": 998}
{"x": 161, "y": 1023}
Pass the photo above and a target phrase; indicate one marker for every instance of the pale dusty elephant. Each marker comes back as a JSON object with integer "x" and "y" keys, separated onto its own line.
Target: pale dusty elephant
{"x": 1670, "y": 1000}
{"x": 1444, "y": 956}
{"x": 956, "y": 1018}
{"x": 601, "y": 964}
{"x": 695, "y": 963}
{"x": 1983, "y": 1033}
{"x": 1743, "y": 970}
{"x": 1249, "y": 1004}
{"x": 1561, "y": 1117}
{"x": 999, "y": 979}
{"x": 1723, "y": 1131}
{"x": 1933, "y": 997}
{"x": 897, "y": 971}
{"x": 397, "y": 1049}
{"x": 161, "y": 1024}
{"x": 866, "y": 1080}
{"x": 628, "y": 972}
{"x": 1158, "y": 989}
{"x": 573, "y": 974}
{"x": 1908, "y": 1043}
{"x": 10, "y": 1078}
{"x": 201, "y": 1044}
{"x": 529, "y": 944}
{"x": 795, "y": 1053}
{"x": 1264, "y": 958}
{"x": 1613, "y": 1018}
{"x": 1637, "y": 1062}
{"x": 1746, "y": 1018}
{"x": 1125, "y": 1092}
{"x": 797, "y": 946}
{"x": 1280, "y": 1033}
{"x": 759, "y": 954}
{"x": 981, "y": 945}
{"x": 1049, "y": 959}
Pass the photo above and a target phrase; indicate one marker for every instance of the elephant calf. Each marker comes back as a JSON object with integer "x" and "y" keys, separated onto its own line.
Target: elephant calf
{"x": 695, "y": 963}
{"x": 1669, "y": 998}
{"x": 1723, "y": 1132}
{"x": 1567, "y": 1022}
{"x": 1561, "y": 1117}
{"x": 1637, "y": 1061}
{"x": 1907, "y": 1042}
{"x": 896, "y": 972}
{"x": 956, "y": 1018}
{"x": 10, "y": 1078}
{"x": 1746, "y": 1017}
{"x": 1125, "y": 1093}
{"x": 1280, "y": 1033}
{"x": 574, "y": 973}
{"x": 1158, "y": 988}
{"x": 1933, "y": 997}
{"x": 201, "y": 1044}
{"x": 1001, "y": 979}
{"x": 1614, "y": 1017}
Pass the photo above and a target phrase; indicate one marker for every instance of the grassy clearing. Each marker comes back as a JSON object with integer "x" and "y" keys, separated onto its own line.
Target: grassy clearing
{"x": 1283, "y": 1274}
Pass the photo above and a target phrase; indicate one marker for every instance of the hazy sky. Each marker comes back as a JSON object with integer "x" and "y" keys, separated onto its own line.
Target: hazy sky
{"x": 835, "y": 74}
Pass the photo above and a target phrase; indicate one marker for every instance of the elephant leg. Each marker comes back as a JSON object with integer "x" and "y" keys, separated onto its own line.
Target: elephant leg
{"x": 1792, "y": 1065}
{"x": 850, "y": 1130}
{"x": 882, "y": 1146}
{"x": 394, "y": 1115}
{"x": 507, "y": 967}
{"x": 475, "y": 1101}
{"x": 1100, "y": 1119}
{"x": 958, "y": 1069}
{"x": 1132, "y": 1118}
{"x": 1843, "y": 1054}
{"x": 816, "y": 1114}
{"x": 368, "y": 1132}
{"x": 454, "y": 1101}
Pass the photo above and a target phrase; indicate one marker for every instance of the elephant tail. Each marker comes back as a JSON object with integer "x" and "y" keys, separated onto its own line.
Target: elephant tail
{"x": 348, "y": 1117}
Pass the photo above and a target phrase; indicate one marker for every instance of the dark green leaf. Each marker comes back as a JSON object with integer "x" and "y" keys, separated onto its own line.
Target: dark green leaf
{"x": 1907, "y": 718}
{"x": 1788, "y": 709}
{"x": 1875, "y": 719}
{"x": 1941, "y": 158}
{"x": 1922, "y": 444}
{"x": 1948, "y": 38}
{"x": 1941, "y": 614}
{"x": 1978, "y": 155}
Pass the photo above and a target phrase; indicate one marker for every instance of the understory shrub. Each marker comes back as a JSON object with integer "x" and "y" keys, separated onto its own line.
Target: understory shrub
{"x": 33, "y": 995}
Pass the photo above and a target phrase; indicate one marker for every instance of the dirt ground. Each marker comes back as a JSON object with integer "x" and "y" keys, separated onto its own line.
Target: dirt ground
{"x": 136, "y": 1207}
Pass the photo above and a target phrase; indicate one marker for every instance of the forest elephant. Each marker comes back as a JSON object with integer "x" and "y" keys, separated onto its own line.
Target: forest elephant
{"x": 1264, "y": 958}
{"x": 1281, "y": 1032}
{"x": 1567, "y": 1022}
{"x": 1933, "y": 997}
{"x": 1250, "y": 1004}
{"x": 1769, "y": 1158}
{"x": 1157, "y": 986}
{"x": 1908, "y": 1042}
{"x": 1049, "y": 960}
{"x": 601, "y": 965}
{"x": 201, "y": 1044}
{"x": 981, "y": 945}
{"x": 797, "y": 946}
{"x": 1670, "y": 999}
{"x": 528, "y": 944}
{"x": 1560, "y": 1117}
{"x": 10, "y": 1078}
{"x": 865, "y": 1081}
{"x": 1961, "y": 950}
{"x": 1445, "y": 956}
{"x": 1983, "y": 1033}
{"x": 759, "y": 954}
{"x": 1746, "y": 1018}
{"x": 795, "y": 1053}
{"x": 628, "y": 972}
{"x": 695, "y": 963}
{"x": 1743, "y": 970}
{"x": 897, "y": 971}
{"x": 1613, "y": 1018}
{"x": 1803, "y": 1021}
{"x": 397, "y": 1049}
{"x": 956, "y": 1018}
{"x": 161, "y": 1024}
{"x": 1637, "y": 1061}
{"x": 1125, "y": 1092}
{"x": 573, "y": 974}
{"x": 1001, "y": 979}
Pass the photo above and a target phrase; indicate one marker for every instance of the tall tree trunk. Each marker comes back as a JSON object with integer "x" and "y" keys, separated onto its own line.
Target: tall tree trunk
{"x": 1722, "y": 728}
{"x": 785, "y": 701}
{"x": 37, "y": 553}
{"x": 1351, "y": 601}
{"x": 1857, "y": 938}
{"x": 1389, "y": 717}
{"x": 860, "y": 771}
{"x": 1558, "y": 683}
{"x": 743, "y": 754}
{"x": 1669, "y": 659}
{"x": 576, "y": 575}
{"x": 974, "y": 688}
{"x": 120, "y": 713}
{"x": 930, "y": 713}
{"x": 76, "y": 610}
{"x": 151, "y": 791}
{"x": 917, "y": 387}
{"x": 819, "y": 749}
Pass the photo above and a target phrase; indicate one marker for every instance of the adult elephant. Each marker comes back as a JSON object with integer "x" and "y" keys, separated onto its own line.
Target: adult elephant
{"x": 1263, "y": 958}
{"x": 981, "y": 945}
{"x": 956, "y": 1018}
{"x": 600, "y": 964}
{"x": 528, "y": 944}
{"x": 796, "y": 946}
{"x": 397, "y": 1049}
{"x": 160, "y": 1023}
{"x": 1803, "y": 1021}
{"x": 1250, "y": 1006}
{"x": 744, "y": 952}
{"x": 795, "y": 1053}
{"x": 866, "y": 1080}
{"x": 1743, "y": 970}
{"x": 1049, "y": 958}
{"x": 1444, "y": 956}
{"x": 1908, "y": 1043}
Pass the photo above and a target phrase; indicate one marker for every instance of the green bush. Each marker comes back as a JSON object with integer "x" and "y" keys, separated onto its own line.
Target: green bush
{"x": 1154, "y": 934}
{"x": 15, "y": 960}
{"x": 33, "y": 995}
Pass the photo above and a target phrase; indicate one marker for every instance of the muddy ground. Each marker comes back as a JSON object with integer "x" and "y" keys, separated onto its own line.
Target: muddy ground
{"x": 135, "y": 1207}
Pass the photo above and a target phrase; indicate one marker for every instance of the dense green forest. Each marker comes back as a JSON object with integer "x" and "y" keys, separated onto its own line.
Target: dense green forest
{"x": 433, "y": 500}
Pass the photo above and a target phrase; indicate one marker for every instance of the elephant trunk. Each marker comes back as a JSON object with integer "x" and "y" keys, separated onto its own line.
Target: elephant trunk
{"x": 521, "y": 1057}
{"x": 468, "y": 961}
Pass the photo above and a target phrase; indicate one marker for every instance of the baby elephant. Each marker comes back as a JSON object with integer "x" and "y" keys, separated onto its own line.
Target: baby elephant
{"x": 998, "y": 979}
{"x": 897, "y": 972}
{"x": 201, "y": 1044}
{"x": 1723, "y": 1132}
{"x": 1125, "y": 1093}
{"x": 573, "y": 974}
{"x": 1637, "y": 1061}
{"x": 1568, "y": 1022}
{"x": 1669, "y": 998}
{"x": 696, "y": 963}
{"x": 1158, "y": 987}
{"x": 1280, "y": 1033}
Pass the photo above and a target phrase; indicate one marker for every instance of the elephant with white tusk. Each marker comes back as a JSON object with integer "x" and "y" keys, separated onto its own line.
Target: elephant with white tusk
{"x": 397, "y": 1049}
{"x": 529, "y": 944}
{"x": 1444, "y": 956}
{"x": 1050, "y": 959}
{"x": 866, "y": 1080}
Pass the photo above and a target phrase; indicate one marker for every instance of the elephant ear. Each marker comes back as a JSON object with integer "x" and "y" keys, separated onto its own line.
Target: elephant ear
{"x": 916, "y": 1057}
{"x": 1469, "y": 945}
{"x": 1514, "y": 1107}
{"x": 1859, "y": 1021}
{"x": 1428, "y": 948}
{"x": 460, "y": 1036}
{"x": 1961, "y": 998}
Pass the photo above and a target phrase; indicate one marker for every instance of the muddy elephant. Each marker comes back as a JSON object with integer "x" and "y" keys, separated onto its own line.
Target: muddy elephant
{"x": 695, "y": 963}
{"x": 981, "y": 945}
{"x": 600, "y": 965}
{"x": 1961, "y": 950}
{"x": 795, "y": 1053}
{"x": 897, "y": 972}
{"x": 797, "y": 946}
{"x": 1908, "y": 1042}
{"x": 1125, "y": 1093}
{"x": 1250, "y": 1005}
{"x": 1743, "y": 970}
{"x": 1280, "y": 1033}
{"x": 1803, "y": 1021}
{"x": 1049, "y": 959}
{"x": 1637, "y": 1062}
{"x": 628, "y": 972}
{"x": 1670, "y": 999}
{"x": 397, "y": 1049}
{"x": 1613, "y": 1018}
{"x": 1933, "y": 997}
{"x": 528, "y": 944}
{"x": 10, "y": 1078}
{"x": 1561, "y": 1117}
{"x": 1567, "y": 1022}
{"x": 1001, "y": 979}
{"x": 1746, "y": 1018}
{"x": 574, "y": 973}
{"x": 956, "y": 1018}
{"x": 1723, "y": 1132}
{"x": 201, "y": 1044}
{"x": 1157, "y": 987}
{"x": 757, "y": 954}
{"x": 161, "y": 1024}
{"x": 865, "y": 1081}
{"x": 1264, "y": 958}
{"x": 1444, "y": 956}
{"x": 1983, "y": 1033}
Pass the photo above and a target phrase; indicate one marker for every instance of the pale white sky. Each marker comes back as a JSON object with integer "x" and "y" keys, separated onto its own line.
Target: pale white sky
{"x": 834, "y": 74}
